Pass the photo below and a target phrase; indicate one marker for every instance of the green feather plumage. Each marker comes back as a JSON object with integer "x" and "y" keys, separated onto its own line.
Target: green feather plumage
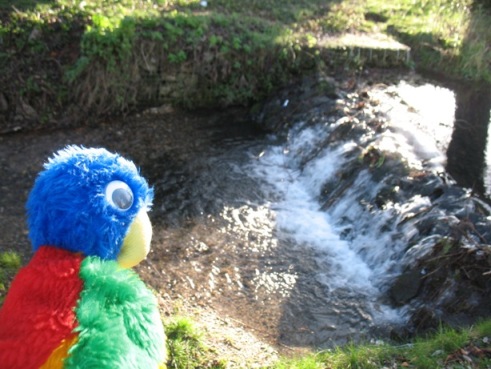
{"x": 119, "y": 323}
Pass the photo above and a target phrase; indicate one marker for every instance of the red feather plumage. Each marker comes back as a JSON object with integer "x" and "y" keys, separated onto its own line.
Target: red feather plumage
{"x": 38, "y": 313}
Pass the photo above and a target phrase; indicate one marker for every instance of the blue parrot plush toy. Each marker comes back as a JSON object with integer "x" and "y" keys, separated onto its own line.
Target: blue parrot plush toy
{"x": 77, "y": 304}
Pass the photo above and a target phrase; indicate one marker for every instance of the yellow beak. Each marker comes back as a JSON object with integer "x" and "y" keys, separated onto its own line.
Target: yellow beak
{"x": 136, "y": 244}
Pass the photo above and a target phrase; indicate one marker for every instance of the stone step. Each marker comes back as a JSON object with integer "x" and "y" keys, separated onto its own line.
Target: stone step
{"x": 376, "y": 49}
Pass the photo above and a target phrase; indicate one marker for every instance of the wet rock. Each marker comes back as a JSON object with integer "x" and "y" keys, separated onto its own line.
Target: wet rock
{"x": 386, "y": 195}
{"x": 424, "y": 319}
{"x": 26, "y": 111}
{"x": 406, "y": 287}
{"x": 455, "y": 286}
{"x": 313, "y": 96}
{"x": 431, "y": 185}
{"x": 4, "y": 106}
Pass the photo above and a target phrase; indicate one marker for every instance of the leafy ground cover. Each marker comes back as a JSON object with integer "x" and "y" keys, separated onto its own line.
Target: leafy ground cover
{"x": 105, "y": 57}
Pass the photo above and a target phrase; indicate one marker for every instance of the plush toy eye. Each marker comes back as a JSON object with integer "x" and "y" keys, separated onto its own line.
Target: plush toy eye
{"x": 119, "y": 195}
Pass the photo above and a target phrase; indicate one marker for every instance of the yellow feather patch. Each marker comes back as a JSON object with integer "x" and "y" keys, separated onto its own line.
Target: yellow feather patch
{"x": 58, "y": 356}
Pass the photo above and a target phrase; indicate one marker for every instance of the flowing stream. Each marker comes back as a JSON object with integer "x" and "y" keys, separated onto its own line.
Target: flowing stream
{"x": 243, "y": 225}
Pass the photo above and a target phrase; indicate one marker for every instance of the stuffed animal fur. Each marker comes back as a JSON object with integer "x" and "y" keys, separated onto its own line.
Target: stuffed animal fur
{"x": 76, "y": 304}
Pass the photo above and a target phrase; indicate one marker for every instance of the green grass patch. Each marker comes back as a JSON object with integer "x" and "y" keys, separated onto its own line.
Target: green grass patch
{"x": 307, "y": 362}
{"x": 185, "y": 346}
{"x": 483, "y": 329}
{"x": 429, "y": 352}
{"x": 447, "y": 348}
{"x": 10, "y": 262}
{"x": 445, "y": 35}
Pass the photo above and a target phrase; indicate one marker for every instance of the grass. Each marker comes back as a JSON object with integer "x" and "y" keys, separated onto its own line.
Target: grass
{"x": 185, "y": 346}
{"x": 219, "y": 58}
{"x": 445, "y": 35}
{"x": 10, "y": 262}
{"x": 448, "y": 348}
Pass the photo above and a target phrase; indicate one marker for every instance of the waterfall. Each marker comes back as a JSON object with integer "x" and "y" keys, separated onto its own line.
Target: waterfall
{"x": 360, "y": 244}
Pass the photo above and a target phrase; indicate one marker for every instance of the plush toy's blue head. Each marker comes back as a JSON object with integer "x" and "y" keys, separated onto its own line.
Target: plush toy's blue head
{"x": 85, "y": 201}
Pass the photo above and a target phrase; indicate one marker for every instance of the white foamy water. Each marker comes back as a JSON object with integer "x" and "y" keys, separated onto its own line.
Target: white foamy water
{"x": 298, "y": 213}
{"x": 421, "y": 120}
{"x": 358, "y": 246}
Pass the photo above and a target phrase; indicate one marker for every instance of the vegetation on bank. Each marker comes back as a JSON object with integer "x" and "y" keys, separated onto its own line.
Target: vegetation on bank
{"x": 447, "y": 36}
{"x": 108, "y": 56}
{"x": 448, "y": 348}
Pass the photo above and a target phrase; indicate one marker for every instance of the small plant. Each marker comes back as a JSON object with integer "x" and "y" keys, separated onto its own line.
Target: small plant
{"x": 10, "y": 262}
{"x": 177, "y": 58}
{"x": 483, "y": 330}
{"x": 186, "y": 350}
